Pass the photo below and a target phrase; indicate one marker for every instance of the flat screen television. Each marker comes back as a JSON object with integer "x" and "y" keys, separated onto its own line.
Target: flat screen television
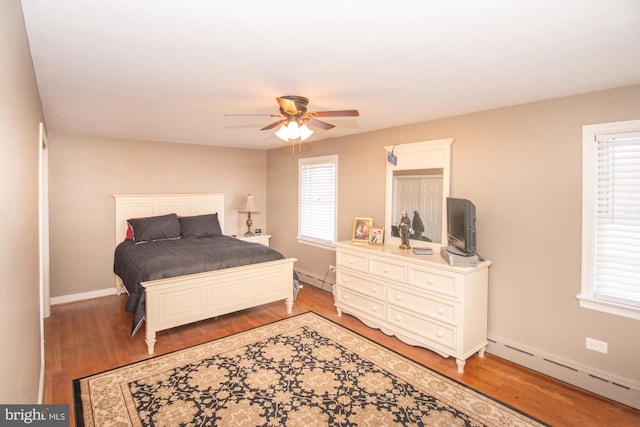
{"x": 461, "y": 226}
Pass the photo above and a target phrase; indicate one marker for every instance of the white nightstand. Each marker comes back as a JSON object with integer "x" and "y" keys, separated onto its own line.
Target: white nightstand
{"x": 262, "y": 238}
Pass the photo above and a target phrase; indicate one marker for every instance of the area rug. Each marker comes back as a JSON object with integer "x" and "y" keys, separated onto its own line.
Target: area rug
{"x": 301, "y": 371}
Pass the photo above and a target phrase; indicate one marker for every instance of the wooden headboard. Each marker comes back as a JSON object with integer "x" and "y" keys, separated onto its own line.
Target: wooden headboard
{"x": 145, "y": 205}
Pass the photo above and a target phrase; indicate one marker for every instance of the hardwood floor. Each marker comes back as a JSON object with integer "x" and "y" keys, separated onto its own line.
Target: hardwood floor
{"x": 87, "y": 337}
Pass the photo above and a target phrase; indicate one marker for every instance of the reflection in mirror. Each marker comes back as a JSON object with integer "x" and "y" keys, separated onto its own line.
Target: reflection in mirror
{"x": 419, "y": 193}
{"x": 419, "y": 184}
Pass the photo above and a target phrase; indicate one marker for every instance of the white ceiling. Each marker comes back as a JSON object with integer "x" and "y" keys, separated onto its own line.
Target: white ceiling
{"x": 171, "y": 70}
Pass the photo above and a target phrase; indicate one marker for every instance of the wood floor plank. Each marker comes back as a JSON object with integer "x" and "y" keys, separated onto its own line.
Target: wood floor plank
{"x": 87, "y": 337}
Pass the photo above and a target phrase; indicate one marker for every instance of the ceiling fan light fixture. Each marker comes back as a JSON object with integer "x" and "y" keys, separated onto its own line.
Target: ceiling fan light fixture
{"x": 291, "y": 131}
{"x": 283, "y": 133}
{"x": 305, "y": 132}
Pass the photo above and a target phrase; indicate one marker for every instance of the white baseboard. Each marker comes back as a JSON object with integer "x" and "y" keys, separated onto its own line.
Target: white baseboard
{"x": 623, "y": 390}
{"x": 82, "y": 296}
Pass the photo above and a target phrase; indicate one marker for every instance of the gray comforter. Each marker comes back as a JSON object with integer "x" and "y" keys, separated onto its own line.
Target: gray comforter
{"x": 137, "y": 263}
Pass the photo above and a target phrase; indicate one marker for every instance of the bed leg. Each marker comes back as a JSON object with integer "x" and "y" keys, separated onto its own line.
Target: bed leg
{"x": 289, "y": 303}
{"x": 150, "y": 338}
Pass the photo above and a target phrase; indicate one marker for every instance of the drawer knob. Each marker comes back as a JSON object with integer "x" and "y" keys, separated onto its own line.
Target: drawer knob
{"x": 345, "y": 280}
{"x": 398, "y": 317}
{"x": 430, "y": 281}
{"x": 345, "y": 297}
{"x": 386, "y": 269}
{"x": 351, "y": 261}
{"x": 440, "y": 311}
{"x": 439, "y": 334}
{"x": 399, "y": 297}
{"x": 374, "y": 308}
{"x": 374, "y": 290}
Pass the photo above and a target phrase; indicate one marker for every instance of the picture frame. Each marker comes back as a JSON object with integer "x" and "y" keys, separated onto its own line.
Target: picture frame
{"x": 376, "y": 236}
{"x": 361, "y": 231}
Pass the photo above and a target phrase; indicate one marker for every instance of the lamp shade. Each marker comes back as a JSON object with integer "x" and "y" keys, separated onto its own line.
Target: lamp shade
{"x": 248, "y": 205}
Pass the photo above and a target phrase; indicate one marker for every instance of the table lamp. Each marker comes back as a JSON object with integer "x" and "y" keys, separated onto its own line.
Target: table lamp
{"x": 248, "y": 205}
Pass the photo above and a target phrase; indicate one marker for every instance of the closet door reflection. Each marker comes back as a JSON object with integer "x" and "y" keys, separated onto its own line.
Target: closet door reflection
{"x": 420, "y": 194}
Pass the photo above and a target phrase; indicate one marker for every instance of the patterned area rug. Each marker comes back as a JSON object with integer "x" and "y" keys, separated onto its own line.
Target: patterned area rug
{"x": 301, "y": 371}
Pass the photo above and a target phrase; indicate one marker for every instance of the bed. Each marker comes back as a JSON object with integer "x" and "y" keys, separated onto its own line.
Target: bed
{"x": 181, "y": 296}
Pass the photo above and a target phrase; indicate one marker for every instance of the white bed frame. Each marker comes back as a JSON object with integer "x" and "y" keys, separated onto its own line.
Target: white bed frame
{"x": 185, "y": 299}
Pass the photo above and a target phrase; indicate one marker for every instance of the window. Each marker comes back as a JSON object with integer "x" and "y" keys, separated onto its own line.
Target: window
{"x": 317, "y": 200}
{"x": 611, "y": 218}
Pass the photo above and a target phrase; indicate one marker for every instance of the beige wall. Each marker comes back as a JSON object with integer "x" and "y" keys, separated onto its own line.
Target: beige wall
{"x": 521, "y": 166}
{"x": 20, "y": 113}
{"x": 86, "y": 171}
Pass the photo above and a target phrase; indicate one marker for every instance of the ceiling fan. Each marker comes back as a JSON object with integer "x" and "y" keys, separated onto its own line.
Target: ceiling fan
{"x": 294, "y": 117}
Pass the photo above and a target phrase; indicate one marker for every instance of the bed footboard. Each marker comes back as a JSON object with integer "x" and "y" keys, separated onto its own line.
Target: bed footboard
{"x": 186, "y": 299}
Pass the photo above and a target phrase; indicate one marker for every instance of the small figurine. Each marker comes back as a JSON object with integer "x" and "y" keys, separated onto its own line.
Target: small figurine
{"x": 405, "y": 230}
{"x": 417, "y": 225}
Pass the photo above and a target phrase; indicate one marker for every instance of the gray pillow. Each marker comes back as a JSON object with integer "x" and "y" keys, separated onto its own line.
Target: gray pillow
{"x": 200, "y": 226}
{"x": 155, "y": 228}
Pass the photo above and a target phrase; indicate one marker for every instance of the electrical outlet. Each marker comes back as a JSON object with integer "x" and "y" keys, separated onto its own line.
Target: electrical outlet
{"x": 595, "y": 345}
{"x": 332, "y": 268}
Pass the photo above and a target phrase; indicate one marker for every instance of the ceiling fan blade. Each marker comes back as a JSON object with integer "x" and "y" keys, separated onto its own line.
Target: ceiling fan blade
{"x": 274, "y": 124}
{"x": 320, "y": 124}
{"x": 255, "y": 115}
{"x": 287, "y": 105}
{"x": 338, "y": 113}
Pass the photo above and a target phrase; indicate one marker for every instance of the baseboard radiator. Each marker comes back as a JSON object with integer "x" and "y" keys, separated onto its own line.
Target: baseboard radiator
{"x": 325, "y": 282}
{"x": 605, "y": 384}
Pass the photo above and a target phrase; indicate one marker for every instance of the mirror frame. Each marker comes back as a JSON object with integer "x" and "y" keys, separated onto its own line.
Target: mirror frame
{"x": 434, "y": 154}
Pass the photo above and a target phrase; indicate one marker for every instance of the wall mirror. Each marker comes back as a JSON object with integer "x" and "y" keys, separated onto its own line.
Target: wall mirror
{"x": 419, "y": 184}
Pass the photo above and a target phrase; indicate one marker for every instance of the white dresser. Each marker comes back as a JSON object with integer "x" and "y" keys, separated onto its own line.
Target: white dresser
{"x": 418, "y": 298}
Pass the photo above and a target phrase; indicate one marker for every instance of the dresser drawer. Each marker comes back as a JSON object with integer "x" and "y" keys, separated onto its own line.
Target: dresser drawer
{"x": 352, "y": 260}
{"x": 440, "y": 334}
{"x": 359, "y": 302}
{"x": 386, "y": 269}
{"x": 363, "y": 286}
{"x": 434, "y": 281}
{"x": 442, "y": 310}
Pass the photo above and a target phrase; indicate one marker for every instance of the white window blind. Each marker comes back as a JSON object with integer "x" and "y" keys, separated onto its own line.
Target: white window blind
{"x": 317, "y": 199}
{"x": 617, "y": 218}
